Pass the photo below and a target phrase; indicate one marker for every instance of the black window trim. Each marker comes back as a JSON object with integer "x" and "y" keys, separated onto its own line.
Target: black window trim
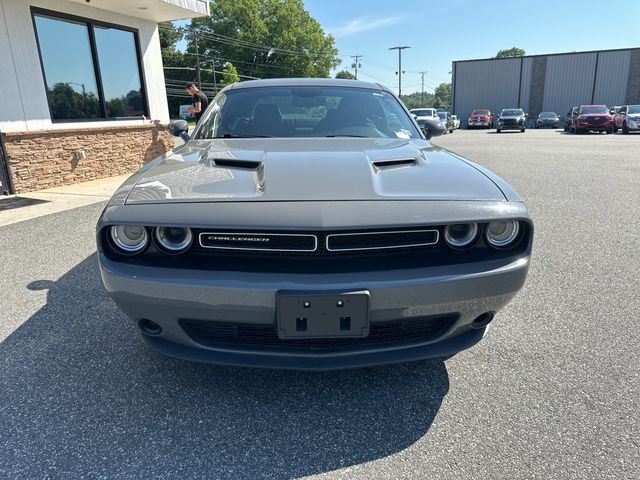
{"x": 89, "y": 22}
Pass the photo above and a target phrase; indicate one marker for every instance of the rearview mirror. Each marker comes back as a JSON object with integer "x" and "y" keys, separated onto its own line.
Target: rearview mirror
{"x": 178, "y": 127}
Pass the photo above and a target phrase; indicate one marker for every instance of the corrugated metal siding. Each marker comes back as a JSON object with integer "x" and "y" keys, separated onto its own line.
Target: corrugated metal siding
{"x": 569, "y": 81}
{"x": 491, "y": 84}
{"x": 611, "y": 82}
{"x": 525, "y": 89}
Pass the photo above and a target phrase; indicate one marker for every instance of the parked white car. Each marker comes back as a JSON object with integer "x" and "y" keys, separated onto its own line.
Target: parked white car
{"x": 456, "y": 121}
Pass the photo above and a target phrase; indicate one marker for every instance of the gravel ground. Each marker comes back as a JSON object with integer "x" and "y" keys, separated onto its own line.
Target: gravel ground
{"x": 552, "y": 392}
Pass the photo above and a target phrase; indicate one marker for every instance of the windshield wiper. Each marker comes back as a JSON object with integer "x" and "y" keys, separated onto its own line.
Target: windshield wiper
{"x": 240, "y": 135}
{"x": 352, "y": 136}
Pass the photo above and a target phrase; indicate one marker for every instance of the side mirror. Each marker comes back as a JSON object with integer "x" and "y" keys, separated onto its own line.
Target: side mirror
{"x": 431, "y": 130}
{"x": 178, "y": 127}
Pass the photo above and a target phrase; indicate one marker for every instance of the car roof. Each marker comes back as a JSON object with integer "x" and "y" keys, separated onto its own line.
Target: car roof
{"x": 592, "y": 106}
{"x": 307, "y": 82}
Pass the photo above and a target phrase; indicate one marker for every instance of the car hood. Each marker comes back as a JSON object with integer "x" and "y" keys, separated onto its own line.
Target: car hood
{"x": 591, "y": 115}
{"x": 308, "y": 170}
{"x": 479, "y": 116}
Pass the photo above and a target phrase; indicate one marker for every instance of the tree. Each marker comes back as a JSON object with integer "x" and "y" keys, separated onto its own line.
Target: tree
{"x": 230, "y": 74}
{"x": 443, "y": 94}
{"x": 264, "y": 39}
{"x": 169, "y": 36}
{"x": 346, "y": 74}
{"x": 414, "y": 100}
{"x": 510, "y": 52}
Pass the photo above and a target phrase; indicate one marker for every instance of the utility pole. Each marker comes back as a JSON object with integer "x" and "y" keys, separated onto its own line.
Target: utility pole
{"x": 195, "y": 39}
{"x": 422, "y": 74}
{"x": 399, "y": 72}
{"x": 355, "y": 65}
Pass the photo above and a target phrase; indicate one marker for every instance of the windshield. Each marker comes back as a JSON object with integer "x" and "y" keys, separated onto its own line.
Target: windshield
{"x": 596, "y": 109}
{"x": 633, "y": 109}
{"x": 422, "y": 112}
{"x": 511, "y": 113}
{"x": 480, "y": 112}
{"x": 306, "y": 111}
{"x": 548, "y": 115}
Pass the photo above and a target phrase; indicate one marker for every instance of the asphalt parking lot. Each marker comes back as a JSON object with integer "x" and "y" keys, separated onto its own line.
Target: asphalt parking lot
{"x": 552, "y": 392}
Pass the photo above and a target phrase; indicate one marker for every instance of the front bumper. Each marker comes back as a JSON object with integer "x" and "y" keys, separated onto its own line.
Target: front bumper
{"x": 167, "y": 296}
{"x": 600, "y": 126}
{"x": 633, "y": 125}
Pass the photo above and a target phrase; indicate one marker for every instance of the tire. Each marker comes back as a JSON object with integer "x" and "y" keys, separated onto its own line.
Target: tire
{"x": 625, "y": 129}
{"x": 614, "y": 129}
{"x": 577, "y": 131}
{"x": 522, "y": 130}
{"x": 566, "y": 129}
{"x": 498, "y": 130}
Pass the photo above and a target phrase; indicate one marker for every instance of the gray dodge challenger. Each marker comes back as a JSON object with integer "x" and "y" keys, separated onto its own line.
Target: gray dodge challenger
{"x": 310, "y": 224}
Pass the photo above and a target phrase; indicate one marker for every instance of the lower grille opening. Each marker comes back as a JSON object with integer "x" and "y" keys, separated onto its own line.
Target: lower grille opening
{"x": 265, "y": 337}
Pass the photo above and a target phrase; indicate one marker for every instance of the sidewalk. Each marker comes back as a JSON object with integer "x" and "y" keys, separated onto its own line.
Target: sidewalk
{"x": 58, "y": 199}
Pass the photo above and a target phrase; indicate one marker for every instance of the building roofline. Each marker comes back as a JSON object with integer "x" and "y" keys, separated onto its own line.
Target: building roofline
{"x": 549, "y": 54}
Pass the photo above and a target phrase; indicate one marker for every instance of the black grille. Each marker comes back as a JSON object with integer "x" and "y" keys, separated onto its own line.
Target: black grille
{"x": 596, "y": 120}
{"x": 259, "y": 241}
{"x": 381, "y": 240}
{"x": 264, "y": 337}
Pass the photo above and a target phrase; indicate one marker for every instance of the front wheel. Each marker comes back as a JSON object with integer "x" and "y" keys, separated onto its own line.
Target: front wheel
{"x": 498, "y": 131}
{"x": 625, "y": 129}
{"x": 522, "y": 130}
{"x": 614, "y": 129}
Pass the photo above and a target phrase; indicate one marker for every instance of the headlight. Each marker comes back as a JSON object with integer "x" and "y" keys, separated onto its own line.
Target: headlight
{"x": 461, "y": 235}
{"x": 173, "y": 239}
{"x": 502, "y": 233}
{"x": 129, "y": 239}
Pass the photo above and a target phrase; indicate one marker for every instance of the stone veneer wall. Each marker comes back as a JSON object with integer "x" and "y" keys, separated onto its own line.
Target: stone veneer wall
{"x": 52, "y": 158}
{"x": 632, "y": 96}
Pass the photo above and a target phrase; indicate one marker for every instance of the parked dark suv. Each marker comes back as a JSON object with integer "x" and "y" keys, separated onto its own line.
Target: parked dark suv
{"x": 511, "y": 119}
{"x": 568, "y": 119}
{"x": 594, "y": 118}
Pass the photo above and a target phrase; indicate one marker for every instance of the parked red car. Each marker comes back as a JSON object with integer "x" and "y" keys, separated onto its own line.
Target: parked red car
{"x": 480, "y": 118}
{"x": 593, "y": 118}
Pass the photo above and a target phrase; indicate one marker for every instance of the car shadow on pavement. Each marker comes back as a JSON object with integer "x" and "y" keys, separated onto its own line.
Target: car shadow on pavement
{"x": 83, "y": 396}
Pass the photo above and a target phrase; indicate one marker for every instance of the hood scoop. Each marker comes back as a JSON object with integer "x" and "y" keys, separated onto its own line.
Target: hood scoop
{"x": 235, "y": 163}
{"x": 395, "y": 163}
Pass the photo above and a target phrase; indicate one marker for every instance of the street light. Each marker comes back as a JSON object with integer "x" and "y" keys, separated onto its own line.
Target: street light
{"x": 399, "y": 48}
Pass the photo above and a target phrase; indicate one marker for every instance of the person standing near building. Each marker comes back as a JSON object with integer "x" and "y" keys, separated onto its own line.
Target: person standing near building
{"x": 200, "y": 100}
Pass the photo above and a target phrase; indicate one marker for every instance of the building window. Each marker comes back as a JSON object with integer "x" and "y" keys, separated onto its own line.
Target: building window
{"x": 91, "y": 70}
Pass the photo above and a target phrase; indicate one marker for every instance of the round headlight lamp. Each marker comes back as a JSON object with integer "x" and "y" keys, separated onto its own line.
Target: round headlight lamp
{"x": 173, "y": 239}
{"x": 129, "y": 239}
{"x": 461, "y": 235}
{"x": 501, "y": 234}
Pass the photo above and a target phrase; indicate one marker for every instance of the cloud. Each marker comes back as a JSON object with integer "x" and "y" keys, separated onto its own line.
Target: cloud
{"x": 363, "y": 24}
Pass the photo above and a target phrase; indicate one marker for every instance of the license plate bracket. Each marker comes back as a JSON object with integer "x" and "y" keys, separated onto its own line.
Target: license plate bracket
{"x": 322, "y": 314}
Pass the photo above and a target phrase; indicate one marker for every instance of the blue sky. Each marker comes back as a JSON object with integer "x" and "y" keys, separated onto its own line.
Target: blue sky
{"x": 442, "y": 31}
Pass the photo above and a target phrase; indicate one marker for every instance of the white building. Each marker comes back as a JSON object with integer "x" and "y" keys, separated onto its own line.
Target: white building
{"x": 80, "y": 83}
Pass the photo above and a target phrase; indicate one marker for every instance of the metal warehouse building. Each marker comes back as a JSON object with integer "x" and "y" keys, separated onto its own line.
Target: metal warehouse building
{"x": 541, "y": 83}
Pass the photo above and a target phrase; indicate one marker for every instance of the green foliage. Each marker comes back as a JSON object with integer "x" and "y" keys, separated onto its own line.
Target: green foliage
{"x": 169, "y": 36}
{"x": 345, "y": 74}
{"x": 510, "y": 52}
{"x": 230, "y": 74}
{"x": 261, "y": 36}
{"x": 441, "y": 98}
{"x": 65, "y": 102}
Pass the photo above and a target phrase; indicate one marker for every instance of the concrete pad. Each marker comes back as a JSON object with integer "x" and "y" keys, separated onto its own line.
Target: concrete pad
{"x": 59, "y": 199}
